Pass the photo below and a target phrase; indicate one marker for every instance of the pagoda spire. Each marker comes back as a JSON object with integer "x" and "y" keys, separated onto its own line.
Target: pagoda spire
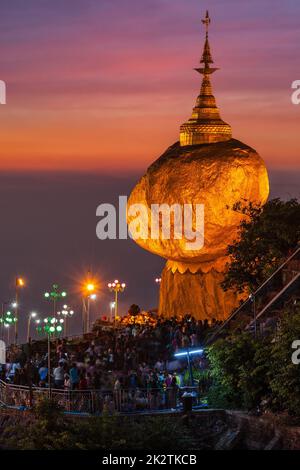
{"x": 205, "y": 125}
{"x": 206, "y": 56}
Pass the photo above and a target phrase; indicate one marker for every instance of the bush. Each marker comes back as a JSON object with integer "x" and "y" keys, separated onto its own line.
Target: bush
{"x": 285, "y": 382}
{"x": 246, "y": 371}
{"x": 105, "y": 432}
{"x": 239, "y": 371}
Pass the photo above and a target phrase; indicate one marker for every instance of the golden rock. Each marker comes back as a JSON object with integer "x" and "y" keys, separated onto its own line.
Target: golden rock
{"x": 206, "y": 167}
{"x": 215, "y": 175}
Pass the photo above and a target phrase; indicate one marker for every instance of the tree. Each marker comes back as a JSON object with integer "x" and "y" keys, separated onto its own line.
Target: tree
{"x": 285, "y": 382}
{"x": 239, "y": 371}
{"x": 266, "y": 236}
{"x": 113, "y": 432}
{"x": 246, "y": 371}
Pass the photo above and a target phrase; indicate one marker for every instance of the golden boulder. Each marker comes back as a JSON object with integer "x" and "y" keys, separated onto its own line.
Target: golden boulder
{"x": 206, "y": 169}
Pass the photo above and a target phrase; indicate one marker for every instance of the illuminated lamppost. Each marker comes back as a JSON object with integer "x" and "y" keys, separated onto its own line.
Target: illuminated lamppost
{"x": 66, "y": 313}
{"x": 88, "y": 295}
{"x": 51, "y": 326}
{"x": 30, "y": 316}
{"x": 112, "y": 306}
{"x": 116, "y": 287}
{"x": 7, "y": 320}
{"x": 158, "y": 281}
{"x": 20, "y": 283}
{"x": 1, "y": 318}
{"x": 54, "y": 296}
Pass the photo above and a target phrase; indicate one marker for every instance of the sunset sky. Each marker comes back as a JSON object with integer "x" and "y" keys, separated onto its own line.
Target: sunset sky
{"x": 96, "y": 91}
{"x": 104, "y": 85}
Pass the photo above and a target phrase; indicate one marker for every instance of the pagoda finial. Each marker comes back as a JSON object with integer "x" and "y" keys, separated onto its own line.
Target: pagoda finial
{"x": 206, "y": 21}
{"x": 205, "y": 126}
{"x": 206, "y": 58}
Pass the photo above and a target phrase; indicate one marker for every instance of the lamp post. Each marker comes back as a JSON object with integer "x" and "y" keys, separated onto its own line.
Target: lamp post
{"x": 88, "y": 295}
{"x": 7, "y": 320}
{"x": 54, "y": 295}
{"x": 30, "y": 316}
{"x": 188, "y": 354}
{"x": 116, "y": 287}
{"x": 52, "y": 326}
{"x": 112, "y": 306}
{"x": 19, "y": 285}
{"x": 7, "y": 326}
{"x": 1, "y": 318}
{"x": 158, "y": 281}
{"x": 66, "y": 313}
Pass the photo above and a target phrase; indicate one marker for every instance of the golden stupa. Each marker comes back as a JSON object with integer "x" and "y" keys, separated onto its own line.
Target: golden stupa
{"x": 207, "y": 167}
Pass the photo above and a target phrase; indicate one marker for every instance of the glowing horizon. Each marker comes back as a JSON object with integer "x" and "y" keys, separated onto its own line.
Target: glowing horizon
{"x": 105, "y": 87}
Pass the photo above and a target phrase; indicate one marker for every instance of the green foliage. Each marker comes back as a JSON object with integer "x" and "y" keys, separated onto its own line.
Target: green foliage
{"x": 285, "y": 383}
{"x": 105, "y": 432}
{"x": 246, "y": 371}
{"x": 239, "y": 370}
{"x": 48, "y": 410}
{"x": 266, "y": 236}
{"x": 198, "y": 375}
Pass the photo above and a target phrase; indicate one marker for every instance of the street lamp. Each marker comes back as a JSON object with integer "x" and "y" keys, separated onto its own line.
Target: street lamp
{"x": 30, "y": 316}
{"x": 158, "y": 280}
{"x": 19, "y": 284}
{"x": 188, "y": 354}
{"x": 54, "y": 295}
{"x": 116, "y": 287}
{"x": 51, "y": 326}
{"x": 7, "y": 320}
{"x": 66, "y": 313}
{"x": 112, "y": 306}
{"x": 88, "y": 294}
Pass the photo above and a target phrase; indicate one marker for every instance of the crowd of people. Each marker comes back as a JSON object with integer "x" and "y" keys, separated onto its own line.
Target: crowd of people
{"x": 136, "y": 356}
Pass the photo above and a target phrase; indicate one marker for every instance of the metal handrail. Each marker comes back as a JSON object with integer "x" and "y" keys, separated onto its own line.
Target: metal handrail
{"x": 88, "y": 390}
{"x": 274, "y": 299}
{"x": 235, "y": 312}
{"x": 96, "y": 401}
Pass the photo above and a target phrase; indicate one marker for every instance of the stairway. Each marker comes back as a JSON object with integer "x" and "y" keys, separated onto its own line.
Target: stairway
{"x": 273, "y": 293}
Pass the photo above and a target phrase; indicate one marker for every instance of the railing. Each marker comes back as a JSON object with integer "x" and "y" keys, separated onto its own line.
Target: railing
{"x": 280, "y": 295}
{"x": 98, "y": 401}
{"x": 267, "y": 293}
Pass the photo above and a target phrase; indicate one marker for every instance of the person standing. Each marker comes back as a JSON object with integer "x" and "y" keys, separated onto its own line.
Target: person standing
{"x": 43, "y": 375}
{"x": 74, "y": 377}
{"x": 59, "y": 375}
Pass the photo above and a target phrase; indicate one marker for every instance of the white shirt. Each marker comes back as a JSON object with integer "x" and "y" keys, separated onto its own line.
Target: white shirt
{"x": 58, "y": 373}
